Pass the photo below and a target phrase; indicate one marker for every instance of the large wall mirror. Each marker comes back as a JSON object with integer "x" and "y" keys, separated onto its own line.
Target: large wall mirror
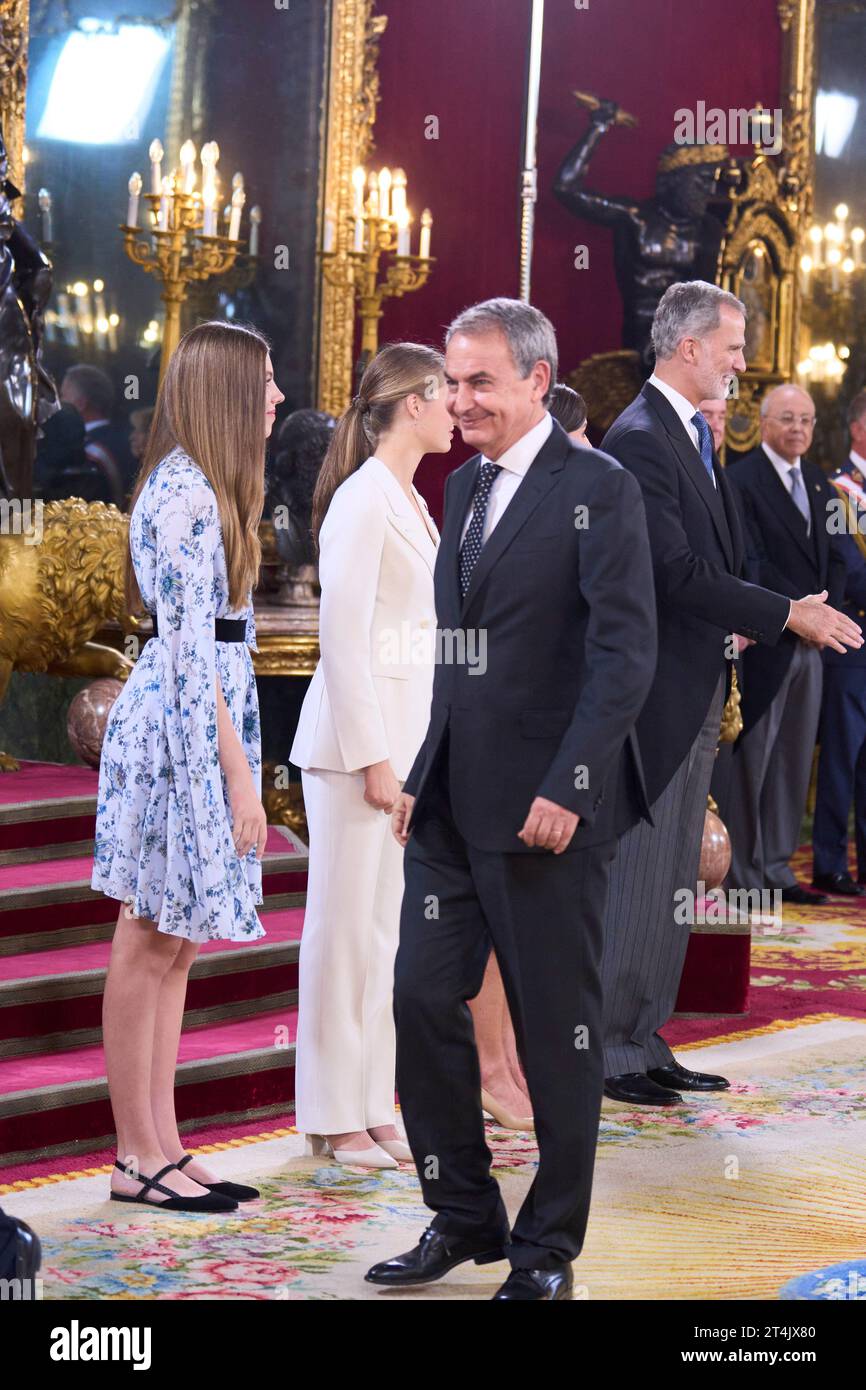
{"x": 249, "y": 76}
{"x": 833, "y": 345}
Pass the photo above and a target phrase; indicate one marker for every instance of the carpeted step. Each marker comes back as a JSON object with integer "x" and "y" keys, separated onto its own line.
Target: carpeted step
{"x": 57, "y": 1102}
{"x": 50, "y": 904}
{"x": 53, "y": 999}
{"x": 47, "y": 810}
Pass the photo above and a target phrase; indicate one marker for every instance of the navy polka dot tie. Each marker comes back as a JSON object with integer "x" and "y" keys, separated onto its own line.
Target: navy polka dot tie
{"x": 472, "y": 541}
{"x": 706, "y": 442}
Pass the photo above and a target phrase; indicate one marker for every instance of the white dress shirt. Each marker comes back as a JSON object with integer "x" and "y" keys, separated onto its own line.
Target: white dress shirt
{"x": 514, "y": 464}
{"x": 783, "y": 467}
{"x": 685, "y": 410}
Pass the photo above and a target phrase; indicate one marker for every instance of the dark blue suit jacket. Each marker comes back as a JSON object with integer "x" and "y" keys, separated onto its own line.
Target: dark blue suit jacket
{"x": 697, "y": 548}
{"x": 563, "y": 594}
{"x": 854, "y": 603}
{"x": 783, "y": 557}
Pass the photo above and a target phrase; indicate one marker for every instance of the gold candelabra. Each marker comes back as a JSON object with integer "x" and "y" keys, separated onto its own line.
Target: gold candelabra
{"x": 379, "y": 227}
{"x": 183, "y": 244}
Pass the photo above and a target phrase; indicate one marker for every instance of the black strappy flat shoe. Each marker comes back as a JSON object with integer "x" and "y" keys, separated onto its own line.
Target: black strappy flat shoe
{"x": 215, "y": 1201}
{"x": 235, "y": 1190}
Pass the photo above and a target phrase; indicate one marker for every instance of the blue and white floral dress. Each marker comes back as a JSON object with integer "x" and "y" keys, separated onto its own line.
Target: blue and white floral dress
{"x": 163, "y": 824}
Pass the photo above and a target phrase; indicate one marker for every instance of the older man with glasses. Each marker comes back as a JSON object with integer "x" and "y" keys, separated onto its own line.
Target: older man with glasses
{"x": 784, "y": 500}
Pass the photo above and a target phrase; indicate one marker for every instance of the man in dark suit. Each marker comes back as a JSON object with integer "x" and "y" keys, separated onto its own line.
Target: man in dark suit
{"x": 703, "y": 606}
{"x": 527, "y": 773}
{"x": 842, "y": 761}
{"x": 784, "y": 501}
{"x": 90, "y": 391}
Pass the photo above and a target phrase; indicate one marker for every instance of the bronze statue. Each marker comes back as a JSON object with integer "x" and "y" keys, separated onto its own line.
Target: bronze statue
{"x": 670, "y": 237}
{"x": 302, "y": 443}
{"x": 28, "y": 396}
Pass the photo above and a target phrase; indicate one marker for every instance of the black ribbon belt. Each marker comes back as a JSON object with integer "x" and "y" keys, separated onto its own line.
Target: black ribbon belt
{"x": 225, "y": 629}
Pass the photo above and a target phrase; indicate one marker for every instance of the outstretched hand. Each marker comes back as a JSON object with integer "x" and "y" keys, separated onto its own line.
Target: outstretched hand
{"x": 815, "y": 621}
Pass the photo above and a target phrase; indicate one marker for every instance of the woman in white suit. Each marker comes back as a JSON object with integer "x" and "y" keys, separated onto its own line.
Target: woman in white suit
{"x": 363, "y": 720}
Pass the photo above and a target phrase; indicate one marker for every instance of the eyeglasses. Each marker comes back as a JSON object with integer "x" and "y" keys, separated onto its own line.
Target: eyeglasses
{"x": 807, "y": 421}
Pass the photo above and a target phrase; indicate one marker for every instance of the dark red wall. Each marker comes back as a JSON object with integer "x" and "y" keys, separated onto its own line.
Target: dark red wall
{"x": 464, "y": 61}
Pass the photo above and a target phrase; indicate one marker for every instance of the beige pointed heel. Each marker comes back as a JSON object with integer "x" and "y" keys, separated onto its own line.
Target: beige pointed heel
{"x": 504, "y": 1117}
{"x": 317, "y": 1146}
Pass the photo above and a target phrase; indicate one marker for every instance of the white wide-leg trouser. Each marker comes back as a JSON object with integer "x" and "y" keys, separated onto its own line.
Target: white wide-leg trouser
{"x": 345, "y": 1057}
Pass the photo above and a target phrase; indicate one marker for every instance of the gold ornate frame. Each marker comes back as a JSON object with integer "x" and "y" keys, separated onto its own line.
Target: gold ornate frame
{"x": 771, "y": 208}
{"x": 348, "y": 114}
{"x": 14, "y": 38}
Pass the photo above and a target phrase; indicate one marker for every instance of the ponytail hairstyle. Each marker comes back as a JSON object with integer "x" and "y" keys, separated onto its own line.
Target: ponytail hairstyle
{"x": 398, "y": 370}
{"x": 212, "y": 404}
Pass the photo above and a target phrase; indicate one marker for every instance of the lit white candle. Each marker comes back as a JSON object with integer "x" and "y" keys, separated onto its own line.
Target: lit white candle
{"x": 132, "y": 209}
{"x": 255, "y": 223}
{"x": 209, "y": 157}
{"x": 165, "y": 204}
{"x": 101, "y": 314}
{"x": 113, "y": 321}
{"x": 156, "y": 152}
{"x": 403, "y": 234}
{"x": 857, "y": 236}
{"x": 426, "y": 227}
{"x": 359, "y": 181}
{"x": 358, "y": 239}
{"x": 385, "y": 192}
{"x": 187, "y": 165}
{"x": 209, "y": 202}
{"x": 373, "y": 194}
{"x": 398, "y": 194}
{"x": 45, "y": 210}
{"x": 238, "y": 200}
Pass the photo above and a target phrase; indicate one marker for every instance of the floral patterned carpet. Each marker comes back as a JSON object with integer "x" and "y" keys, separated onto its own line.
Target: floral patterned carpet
{"x": 736, "y": 1195}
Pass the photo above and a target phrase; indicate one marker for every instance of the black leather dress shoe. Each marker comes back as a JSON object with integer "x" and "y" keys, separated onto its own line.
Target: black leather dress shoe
{"x": 688, "y": 1080}
{"x": 803, "y": 897}
{"x": 537, "y": 1284}
{"x": 636, "y": 1088}
{"x": 433, "y": 1256}
{"x": 839, "y": 883}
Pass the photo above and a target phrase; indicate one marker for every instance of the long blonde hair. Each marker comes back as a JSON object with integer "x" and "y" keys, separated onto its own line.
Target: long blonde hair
{"x": 397, "y": 371}
{"x": 212, "y": 404}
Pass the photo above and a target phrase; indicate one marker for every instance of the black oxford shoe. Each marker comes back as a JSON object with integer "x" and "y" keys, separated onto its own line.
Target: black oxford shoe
{"x": 803, "y": 897}
{"x": 688, "y": 1080}
{"x": 433, "y": 1256}
{"x": 635, "y": 1088}
{"x": 537, "y": 1284}
{"x": 839, "y": 883}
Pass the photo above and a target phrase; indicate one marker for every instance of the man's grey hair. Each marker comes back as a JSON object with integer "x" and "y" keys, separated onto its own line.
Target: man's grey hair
{"x": 689, "y": 309}
{"x": 767, "y": 398}
{"x": 528, "y": 332}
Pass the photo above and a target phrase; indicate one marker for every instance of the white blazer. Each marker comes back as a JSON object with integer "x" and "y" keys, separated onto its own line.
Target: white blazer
{"x": 369, "y": 698}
